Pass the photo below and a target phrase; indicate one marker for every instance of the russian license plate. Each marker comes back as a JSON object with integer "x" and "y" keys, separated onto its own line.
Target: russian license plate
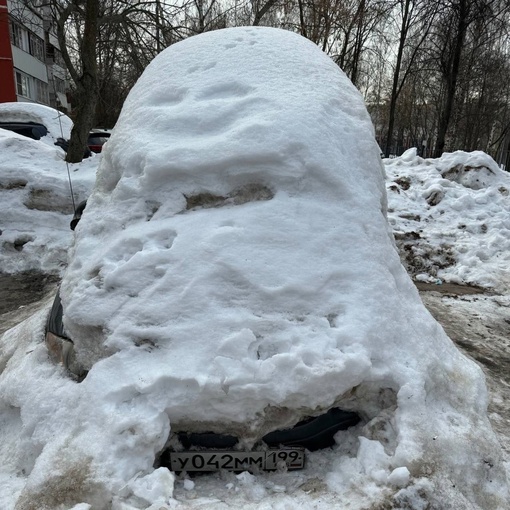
{"x": 270, "y": 460}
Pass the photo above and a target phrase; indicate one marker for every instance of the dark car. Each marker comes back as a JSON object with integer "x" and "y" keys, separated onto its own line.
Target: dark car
{"x": 97, "y": 139}
{"x": 64, "y": 144}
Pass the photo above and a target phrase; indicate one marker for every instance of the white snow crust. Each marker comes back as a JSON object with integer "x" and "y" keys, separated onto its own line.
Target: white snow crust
{"x": 235, "y": 270}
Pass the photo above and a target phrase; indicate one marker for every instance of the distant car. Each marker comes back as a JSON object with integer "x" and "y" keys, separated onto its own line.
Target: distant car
{"x": 24, "y": 117}
{"x": 97, "y": 139}
{"x": 64, "y": 144}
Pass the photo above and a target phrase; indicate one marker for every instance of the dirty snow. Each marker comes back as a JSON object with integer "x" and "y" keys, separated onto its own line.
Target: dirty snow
{"x": 239, "y": 261}
{"x": 451, "y": 217}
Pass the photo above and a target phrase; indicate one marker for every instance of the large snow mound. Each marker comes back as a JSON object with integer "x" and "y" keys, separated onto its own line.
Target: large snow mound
{"x": 225, "y": 231}
{"x": 451, "y": 217}
{"x": 234, "y": 270}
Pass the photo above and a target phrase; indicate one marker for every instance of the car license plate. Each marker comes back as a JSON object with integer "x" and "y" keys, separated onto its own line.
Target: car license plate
{"x": 270, "y": 460}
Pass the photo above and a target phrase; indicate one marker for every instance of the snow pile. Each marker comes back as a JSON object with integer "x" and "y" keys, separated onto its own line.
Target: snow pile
{"x": 36, "y": 203}
{"x": 451, "y": 217}
{"x": 59, "y": 125}
{"x": 234, "y": 270}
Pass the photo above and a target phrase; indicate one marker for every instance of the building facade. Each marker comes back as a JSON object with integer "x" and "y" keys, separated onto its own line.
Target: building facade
{"x": 31, "y": 65}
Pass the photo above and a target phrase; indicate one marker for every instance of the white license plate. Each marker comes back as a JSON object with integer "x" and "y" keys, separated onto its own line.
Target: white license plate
{"x": 270, "y": 460}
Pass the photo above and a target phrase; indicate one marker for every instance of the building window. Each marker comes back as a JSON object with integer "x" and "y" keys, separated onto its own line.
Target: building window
{"x": 16, "y": 34}
{"x": 22, "y": 84}
{"x": 59, "y": 60}
{"x": 26, "y": 41}
{"x": 60, "y": 85}
{"x": 41, "y": 89}
{"x": 36, "y": 46}
{"x": 32, "y": 88}
{"x": 54, "y": 55}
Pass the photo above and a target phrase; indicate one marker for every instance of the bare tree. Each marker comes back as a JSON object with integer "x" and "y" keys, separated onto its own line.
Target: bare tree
{"x": 84, "y": 76}
{"x": 95, "y": 37}
{"x": 455, "y": 22}
{"x": 261, "y": 10}
{"x": 441, "y": 83}
{"x": 415, "y": 16}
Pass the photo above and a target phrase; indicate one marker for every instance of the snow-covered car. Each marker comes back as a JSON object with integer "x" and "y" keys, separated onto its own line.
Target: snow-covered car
{"x": 312, "y": 433}
{"x": 38, "y": 122}
{"x": 234, "y": 274}
{"x": 50, "y": 124}
{"x": 36, "y": 203}
{"x": 32, "y": 130}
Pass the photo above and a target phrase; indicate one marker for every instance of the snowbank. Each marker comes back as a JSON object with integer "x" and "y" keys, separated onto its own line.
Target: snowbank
{"x": 36, "y": 204}
{"x": 451, "y": 217}
{"x": 235, "y": 271}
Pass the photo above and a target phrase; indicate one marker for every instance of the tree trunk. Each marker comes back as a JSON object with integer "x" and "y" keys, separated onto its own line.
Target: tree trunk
{"x": 394, "y": 90}
{"x": 86, "y": 85}
{"x": 451, "y": 75}
{"x": 259, "y": 14}
{"x": 358, "y": 46}
{"x": 302, "y": 19}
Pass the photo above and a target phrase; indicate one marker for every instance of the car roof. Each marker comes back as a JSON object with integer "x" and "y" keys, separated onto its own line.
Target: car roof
{"x": 97, "y": 131}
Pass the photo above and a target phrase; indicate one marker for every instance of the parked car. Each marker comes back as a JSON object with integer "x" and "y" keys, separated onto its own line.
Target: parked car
{"x": 64, "y": 144}
{"x": 210, "y": 270}
{"x": 38, "y": 122}
{"x": 36, "y": 131}
{"x": 97, "y": 138}
{"x": 211, "y": 451}
{"x": 49, "y": 124}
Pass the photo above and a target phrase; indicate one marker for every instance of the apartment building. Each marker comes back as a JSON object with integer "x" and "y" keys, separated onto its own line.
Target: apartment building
{"x": 31, "y": 65}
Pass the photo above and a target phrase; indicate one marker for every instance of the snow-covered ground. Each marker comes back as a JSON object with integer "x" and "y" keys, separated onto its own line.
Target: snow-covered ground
{"x": 237, "y": 262}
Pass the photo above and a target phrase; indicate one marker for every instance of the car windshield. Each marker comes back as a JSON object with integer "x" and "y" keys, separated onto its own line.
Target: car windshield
{"x": 29, "y": 129}
{"x": 97, "y": 140}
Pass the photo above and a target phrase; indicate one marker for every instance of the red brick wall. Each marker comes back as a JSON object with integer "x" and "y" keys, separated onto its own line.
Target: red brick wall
{"x": 7, "y": 87}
